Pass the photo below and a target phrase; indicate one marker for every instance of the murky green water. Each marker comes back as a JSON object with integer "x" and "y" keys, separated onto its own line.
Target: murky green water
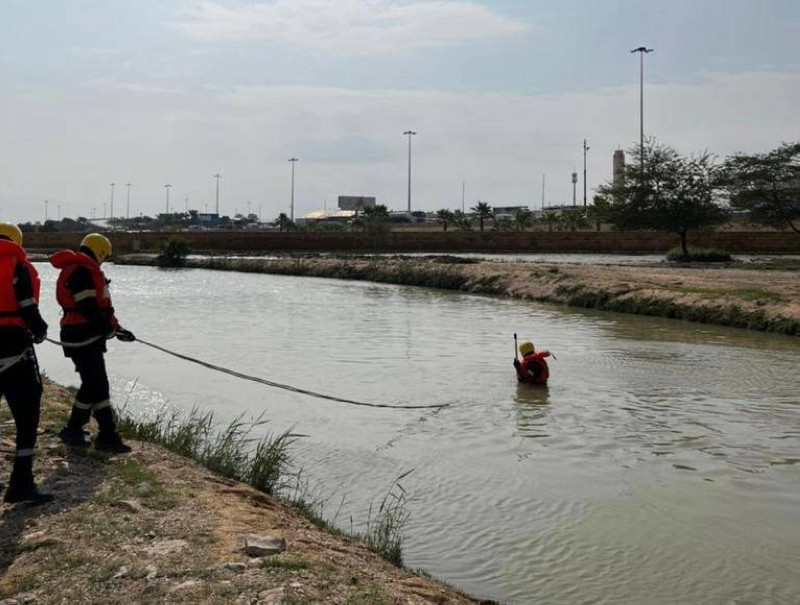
{"x": 662, "y": 465}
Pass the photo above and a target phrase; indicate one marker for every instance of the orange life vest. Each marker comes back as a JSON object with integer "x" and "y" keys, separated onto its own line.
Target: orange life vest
{"x": 534, "y": 368}
{"x": 68, "y": 261}
{"x": 10, "y": 255}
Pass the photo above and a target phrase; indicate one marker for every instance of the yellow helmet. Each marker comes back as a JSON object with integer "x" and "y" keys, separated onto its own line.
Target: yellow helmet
{"x": 12, "y": 232}
{"x": 525, "y": 348}
{"x": 99, "y": 245}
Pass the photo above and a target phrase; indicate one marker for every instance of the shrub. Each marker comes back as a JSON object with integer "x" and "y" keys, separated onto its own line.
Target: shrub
{"x": 699, "y": 255}
{"x": 172, "y": 253}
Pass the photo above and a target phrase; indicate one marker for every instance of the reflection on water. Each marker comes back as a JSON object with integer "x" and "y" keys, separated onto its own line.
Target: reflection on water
{"x": 659, "y": 465}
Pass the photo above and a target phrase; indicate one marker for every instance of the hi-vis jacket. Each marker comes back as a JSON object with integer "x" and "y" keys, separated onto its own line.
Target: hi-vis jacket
{"x": 533, "y": 368}
{"x": 11, "y": 256}
{"x": 69, "y": 262}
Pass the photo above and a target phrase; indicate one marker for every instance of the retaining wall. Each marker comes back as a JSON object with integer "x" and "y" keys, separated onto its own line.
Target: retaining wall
{"x": 639, "y": 242}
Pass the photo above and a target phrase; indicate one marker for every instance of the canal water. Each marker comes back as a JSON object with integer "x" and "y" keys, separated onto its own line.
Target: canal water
{"x": 662, "y": 464}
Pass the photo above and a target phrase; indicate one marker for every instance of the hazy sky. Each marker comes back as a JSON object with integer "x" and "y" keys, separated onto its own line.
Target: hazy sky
{"x": 500, "y": 92}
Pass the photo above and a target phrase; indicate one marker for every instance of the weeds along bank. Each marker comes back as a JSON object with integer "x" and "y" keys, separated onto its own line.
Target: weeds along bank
{"x": 759, "y": 297}
{"x": 158, "y": 527}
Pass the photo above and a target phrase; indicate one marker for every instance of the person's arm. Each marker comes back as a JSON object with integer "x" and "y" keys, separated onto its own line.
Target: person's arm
{"x": 28, "y": 308}
{"x": 543, "y": 354}
{"x": 518, "y": 368}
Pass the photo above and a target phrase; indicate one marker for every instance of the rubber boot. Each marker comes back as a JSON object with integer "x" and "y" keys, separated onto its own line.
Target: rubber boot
{"x": 108, "y": 439}
{"x": 21, "y": 487}
{"x": 73, "y": 434}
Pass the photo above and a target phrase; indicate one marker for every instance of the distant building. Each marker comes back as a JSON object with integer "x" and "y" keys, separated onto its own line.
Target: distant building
{"x": 354, "y": 202}
{"x": 507, "y": 210}
{"x": 208, "y": 220}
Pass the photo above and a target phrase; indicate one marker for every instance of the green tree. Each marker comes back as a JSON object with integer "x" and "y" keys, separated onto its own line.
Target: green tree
{"x": 549, "y": 218}
{"x": 766, "y": 185}
{"x": 599, "y": 211}
{"x": 483, "y": 211}
{"x": 573, "y": 220}
{"x": 375, "y": 219}
{"x": 674, "y": 193}
{"x": 445, "y": 217}
{"x": 523, "y": 219}
{"x": 462, "y": 221}
{"x": 284, "y": 222}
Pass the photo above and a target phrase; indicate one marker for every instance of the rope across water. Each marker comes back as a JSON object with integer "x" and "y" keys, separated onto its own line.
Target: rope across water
{"x": 263, "y": 381}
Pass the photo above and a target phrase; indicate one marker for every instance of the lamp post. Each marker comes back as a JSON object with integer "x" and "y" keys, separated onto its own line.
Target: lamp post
{"x": 642, "y": 50}
{"x": 128, "y": 202}
{"x": 291, "y": 207}
{"x": 409, "y": 134}
{"x": 167, "y": 186}
{"x": 217, "y": 176}
{"x": 45, "y": 210}
{"x": 585, "y": 149}
{"x": 112, "y": 201}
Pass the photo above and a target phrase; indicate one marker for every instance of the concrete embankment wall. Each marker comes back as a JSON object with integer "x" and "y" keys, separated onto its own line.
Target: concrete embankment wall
{"x": 640, "y": 242}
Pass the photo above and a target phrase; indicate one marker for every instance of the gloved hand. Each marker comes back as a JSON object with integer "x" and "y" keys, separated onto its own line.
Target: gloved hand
{"x": 39, "y": 331}
{"x": 125, "y": 335}
{"x": 517, "y": 364}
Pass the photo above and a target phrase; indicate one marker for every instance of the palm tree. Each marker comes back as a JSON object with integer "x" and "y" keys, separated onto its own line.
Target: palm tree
{"x": 549, "y": 218}
{"x": 462, "y": 221}
{"x": 445, "y": 217}
{"x": 483, "y": 211}
{"x": 523, "y": 219}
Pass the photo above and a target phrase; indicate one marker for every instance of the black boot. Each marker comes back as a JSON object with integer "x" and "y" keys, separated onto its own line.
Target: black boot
{"x": 73, "y": 434}
{"x": 108, "y": 438}
{"x": 111, "y": 442}
{"x": 21, "y": 487}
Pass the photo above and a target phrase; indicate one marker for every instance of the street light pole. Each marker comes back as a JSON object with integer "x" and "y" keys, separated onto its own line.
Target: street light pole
{"x": 128, "y": 202}
{"x": 167, "y": 186}
{"x": 45, "y": 210}
{"x": 291, "y": 207}
{"x": 112, "y": 202}
{"x": 409, "y": 134}
{"x": 642, "y": 50}
{"x": 585, "y": 149}
{"x": 218, "y": 176}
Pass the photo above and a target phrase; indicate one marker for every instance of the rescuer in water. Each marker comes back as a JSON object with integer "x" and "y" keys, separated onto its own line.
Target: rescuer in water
{"x": 21, "y": 326}
{"x": 532, "y": 369}
{"x": 88, "y": 321}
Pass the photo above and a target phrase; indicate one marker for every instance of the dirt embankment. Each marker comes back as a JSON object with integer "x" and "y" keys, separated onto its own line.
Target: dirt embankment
{"x": 759, "y": 297}
{"x": 152, "y": 527}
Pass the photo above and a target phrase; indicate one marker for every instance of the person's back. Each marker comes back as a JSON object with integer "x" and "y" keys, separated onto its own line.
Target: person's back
{"x": 532, "y": 369}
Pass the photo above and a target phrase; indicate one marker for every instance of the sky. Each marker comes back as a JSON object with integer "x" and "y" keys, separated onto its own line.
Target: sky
{"x": 501, "y": 93}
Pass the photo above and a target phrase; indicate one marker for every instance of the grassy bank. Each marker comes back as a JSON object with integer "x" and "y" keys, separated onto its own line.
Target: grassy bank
{"x": 758, "y": 298}
{"x": 158, "y": 527}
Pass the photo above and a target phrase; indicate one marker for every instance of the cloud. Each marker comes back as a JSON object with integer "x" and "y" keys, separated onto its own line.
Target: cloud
{"x": 351, "y": 142}
{"x": 348, "y": 27}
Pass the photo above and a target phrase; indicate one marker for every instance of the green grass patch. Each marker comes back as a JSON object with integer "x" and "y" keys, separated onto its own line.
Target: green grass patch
{"x": 131, "y": 480}
{"x": 368, "y": 595}
{"x": 284, "y": 564}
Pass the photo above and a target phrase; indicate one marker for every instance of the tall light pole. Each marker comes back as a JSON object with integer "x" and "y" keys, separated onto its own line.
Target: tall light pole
{"x": 463, "y": 194}
{"x": 45, "y": 210}
{"x": 167, "y": 186}
{"x": 112, "y": 201}
{"x": 585, "y": 149}
{"x": 642, "y": 50}
{"x": 291, "y": 207}
{"x": 217, "y": 176}
{"x": 128, "y": 202}
{"x": 409, "y": 134}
